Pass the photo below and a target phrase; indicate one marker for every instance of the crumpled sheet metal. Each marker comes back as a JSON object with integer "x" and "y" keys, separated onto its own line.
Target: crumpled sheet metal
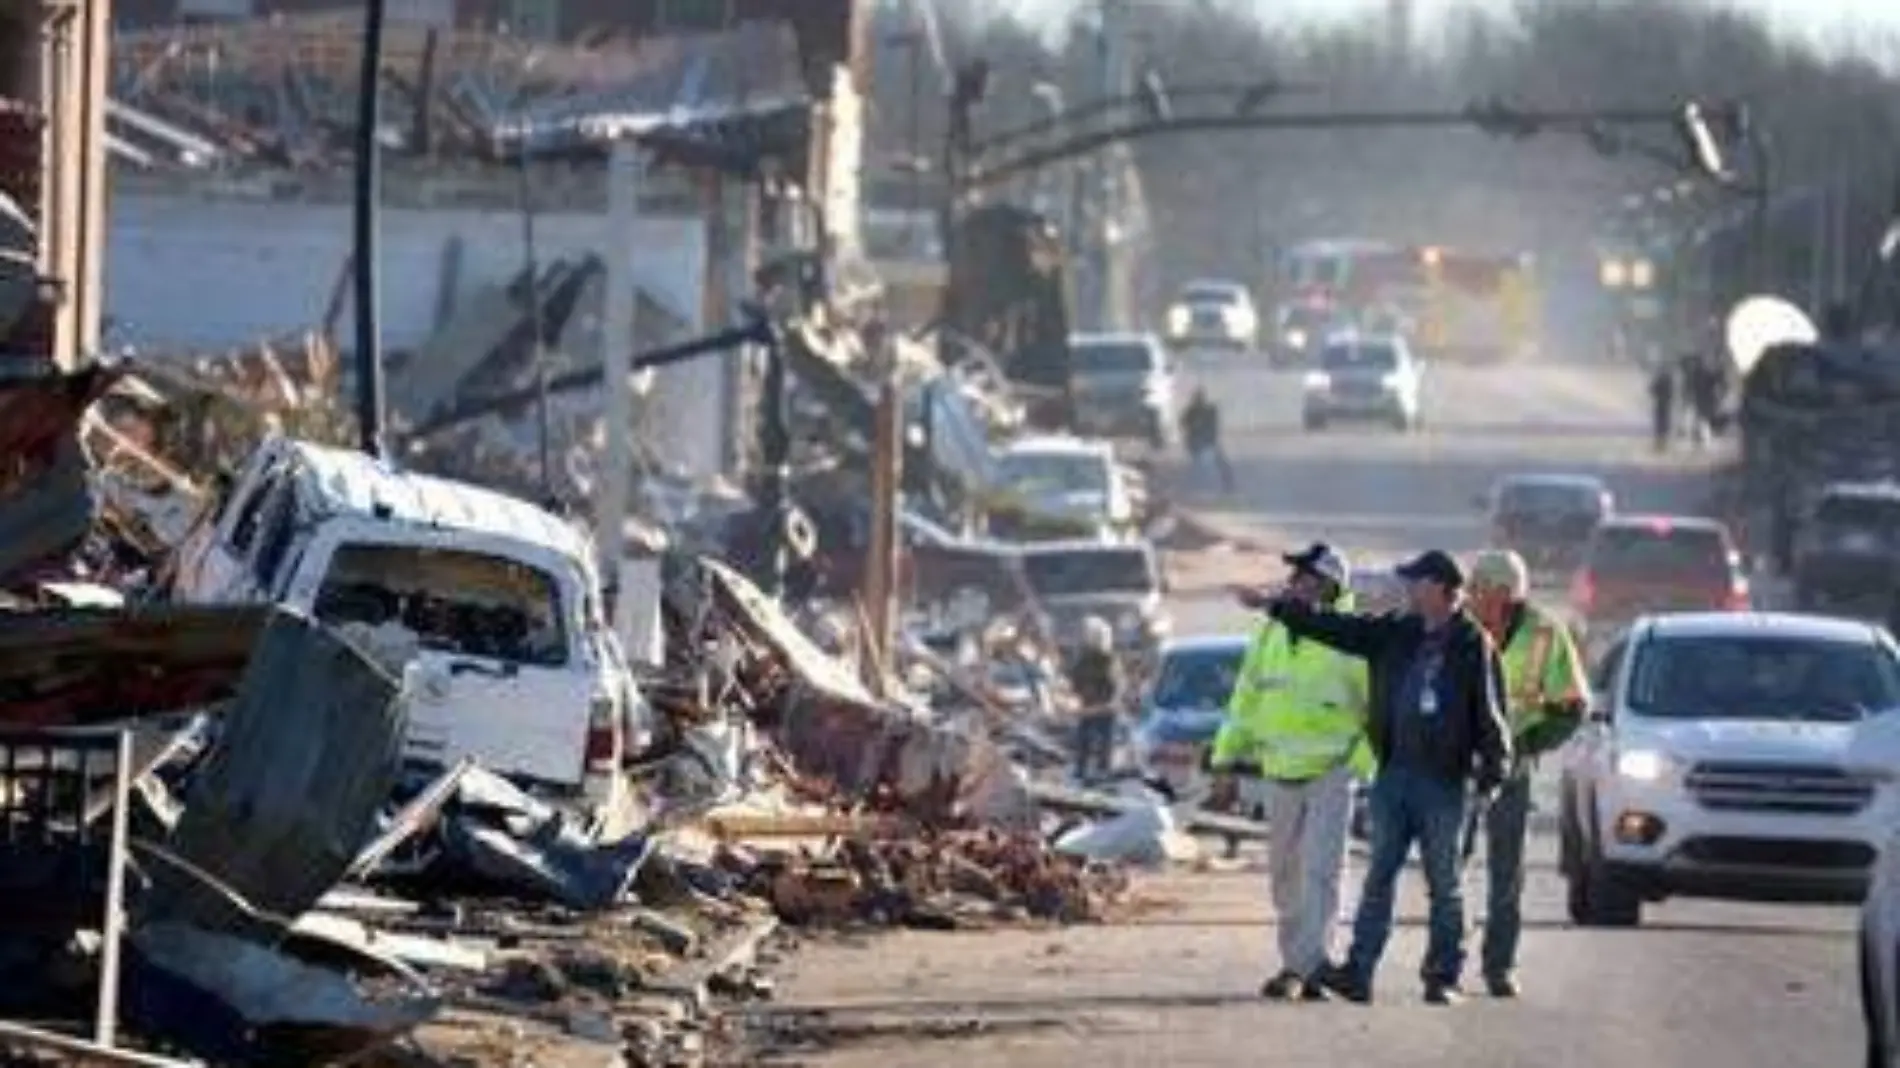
{"x": 830, "y": 725}
{"x": 505, "y": 836}
{"x": 304, "y": 759}
{"x": 232, "y": 1001}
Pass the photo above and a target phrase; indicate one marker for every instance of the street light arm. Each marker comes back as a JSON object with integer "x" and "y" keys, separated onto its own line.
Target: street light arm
{"x": 1084, "y": 144}
{"x": 1246, "y": 99}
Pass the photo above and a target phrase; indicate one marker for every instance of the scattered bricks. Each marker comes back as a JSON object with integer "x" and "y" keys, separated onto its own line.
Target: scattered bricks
{"x": 815, "y": 895}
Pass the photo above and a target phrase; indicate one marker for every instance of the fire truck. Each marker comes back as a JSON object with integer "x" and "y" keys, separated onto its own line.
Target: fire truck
{"x": 1452, "y": 303}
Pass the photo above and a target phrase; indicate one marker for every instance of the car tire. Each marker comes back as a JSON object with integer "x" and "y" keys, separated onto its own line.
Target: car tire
{"x": 1595, "y": 897}
{"x": 1312, "y": 422}
{"x": 1403, "y": 423}
{"x": 1870, "y": 1013}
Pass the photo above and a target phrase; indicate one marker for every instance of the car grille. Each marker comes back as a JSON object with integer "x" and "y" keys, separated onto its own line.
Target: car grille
{"x": 1778, "y": 853}
{"x": 1793, "y": 789}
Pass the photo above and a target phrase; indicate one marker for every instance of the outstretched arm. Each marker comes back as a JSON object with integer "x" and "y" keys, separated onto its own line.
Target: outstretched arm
{"x": 1349, "y": 632}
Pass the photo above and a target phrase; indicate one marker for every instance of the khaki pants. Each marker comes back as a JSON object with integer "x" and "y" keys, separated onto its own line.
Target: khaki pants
{"x": 1306, "y": 851}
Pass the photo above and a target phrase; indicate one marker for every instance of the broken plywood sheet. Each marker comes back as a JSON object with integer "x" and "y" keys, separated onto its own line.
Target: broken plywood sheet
{"x": 79, "y": 667}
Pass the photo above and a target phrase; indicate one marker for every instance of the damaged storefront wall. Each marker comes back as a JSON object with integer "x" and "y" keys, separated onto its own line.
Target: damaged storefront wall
{"x": 453, "y": 277}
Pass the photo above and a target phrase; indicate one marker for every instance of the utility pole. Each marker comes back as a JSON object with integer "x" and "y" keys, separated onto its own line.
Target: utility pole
{"x": 887, "y": 459}
{"x": 538, "y": 353}
{"x": 369, "y": 345}
{"x": 1106, "y": 228}
{"x": 616, "y": 343}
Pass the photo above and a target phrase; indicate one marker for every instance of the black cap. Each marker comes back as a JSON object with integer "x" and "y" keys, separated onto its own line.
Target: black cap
{"x": 1433, "y": 565}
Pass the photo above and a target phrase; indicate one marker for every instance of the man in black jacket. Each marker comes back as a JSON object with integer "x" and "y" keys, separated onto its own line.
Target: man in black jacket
{"x": 1436, "y": 723}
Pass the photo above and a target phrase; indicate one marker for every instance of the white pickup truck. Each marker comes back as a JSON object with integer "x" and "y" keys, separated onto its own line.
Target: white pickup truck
{"x": 516, "y": 664}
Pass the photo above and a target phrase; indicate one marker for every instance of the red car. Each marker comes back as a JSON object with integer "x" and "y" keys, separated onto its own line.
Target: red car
{"x": 1637, "y": 565}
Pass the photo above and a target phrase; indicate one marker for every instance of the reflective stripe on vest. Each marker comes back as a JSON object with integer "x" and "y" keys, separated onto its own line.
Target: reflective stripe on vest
{"x": 1304, "y": 713}
{"x": 1526, "y": 663}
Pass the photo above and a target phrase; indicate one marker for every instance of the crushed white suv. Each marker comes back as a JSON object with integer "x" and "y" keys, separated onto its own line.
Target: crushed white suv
{"x": 1716, "y": 763}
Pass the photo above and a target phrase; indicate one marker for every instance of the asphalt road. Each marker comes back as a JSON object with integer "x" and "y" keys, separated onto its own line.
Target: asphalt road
{"x": 1699, "y": 983}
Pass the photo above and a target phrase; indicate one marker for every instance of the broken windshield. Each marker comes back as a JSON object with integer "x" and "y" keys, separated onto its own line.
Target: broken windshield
{"x": 454, "y": 601}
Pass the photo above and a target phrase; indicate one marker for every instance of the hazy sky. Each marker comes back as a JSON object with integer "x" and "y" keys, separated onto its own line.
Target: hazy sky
{"x": 1831, "y": 24}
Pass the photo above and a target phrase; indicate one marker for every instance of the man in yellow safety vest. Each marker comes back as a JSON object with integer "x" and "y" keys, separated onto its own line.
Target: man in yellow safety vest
{"x": 1545, "y": 695}
{"x": 1298, "y": 712}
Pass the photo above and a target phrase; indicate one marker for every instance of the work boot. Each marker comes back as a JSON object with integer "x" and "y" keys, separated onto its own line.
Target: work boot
{"x": 1437, "y": 993}
{"x": 1313, "y": 987}
{"x": 1501, "y": 986}
{"x": 1285, "y": 986}
{"x": 1346, "y": 983}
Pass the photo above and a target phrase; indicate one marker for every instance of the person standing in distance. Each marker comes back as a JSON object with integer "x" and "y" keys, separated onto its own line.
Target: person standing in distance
{"x": 1436, "y": 724}
{"x": 1545, "y": 692}
{"x": 1298, "y": 713}
{"x": 1096, "y": 679}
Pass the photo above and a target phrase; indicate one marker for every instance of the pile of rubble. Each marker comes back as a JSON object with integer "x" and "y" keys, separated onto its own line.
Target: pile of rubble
{"x": 250, "y": 870}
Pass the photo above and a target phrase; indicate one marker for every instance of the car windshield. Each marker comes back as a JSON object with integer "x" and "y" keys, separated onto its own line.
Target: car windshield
{"x": 1642, "y": 552}
{"x": 1549, "y": 498}
{"x": 1763, "y": 677}
{"x": 1360, "y": 356}
{"x": 1842, "y": 514}
{"x": 1196, "y": 679}
{"x": 1112, "y": 357}
{"x": 1210, "y": 294}
{"x": 1065, "y": 572}
{"x": 1057, "y": 472}
{"x": 454, "y": 601}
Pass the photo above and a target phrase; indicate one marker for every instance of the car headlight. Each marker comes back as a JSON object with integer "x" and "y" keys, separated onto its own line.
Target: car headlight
{"x": 1643, "y": 765}
{"x": 1318, "y": 380}
{"x": 1391, "y": 381}
{"x": 1179, "y": 319}
{"x": 1296, "y": 338}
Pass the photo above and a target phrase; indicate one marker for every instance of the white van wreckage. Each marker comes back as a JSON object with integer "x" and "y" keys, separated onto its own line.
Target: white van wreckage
{"x": 495, "y": 604}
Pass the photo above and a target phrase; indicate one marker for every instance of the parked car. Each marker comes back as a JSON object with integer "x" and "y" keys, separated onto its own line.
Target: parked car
{"x": 1847, "y": 556}
{"x": 518, "y": 668}
{"x": 1875, "y": 752}
{"x": 1641, "y": 564}
{"x": 1363, "y": 377}
{"x": 1123, "y": 386}
{"x": 1546, "y": 518}
{"x": 1061, "y": 486}
{"x": 1182, "y": 709}
{"x": 1119, "y": 582}
{"x": 1214, "y": 314}
{"x": 1717, "y": 763}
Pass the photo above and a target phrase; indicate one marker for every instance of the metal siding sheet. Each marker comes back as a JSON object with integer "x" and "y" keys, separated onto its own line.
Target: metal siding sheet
{"x": 305, "y": 758}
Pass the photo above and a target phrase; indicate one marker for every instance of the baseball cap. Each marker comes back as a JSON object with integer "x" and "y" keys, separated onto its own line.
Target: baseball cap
{"x": 1320, "y": 559}
{"x": 1433, "y": 565}
{"x": 1501, "y": 569}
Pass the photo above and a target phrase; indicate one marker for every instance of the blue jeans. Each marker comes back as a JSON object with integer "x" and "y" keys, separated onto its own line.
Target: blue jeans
{"x": 1506, "y": 824}
{"x": 1409, "y": 806}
